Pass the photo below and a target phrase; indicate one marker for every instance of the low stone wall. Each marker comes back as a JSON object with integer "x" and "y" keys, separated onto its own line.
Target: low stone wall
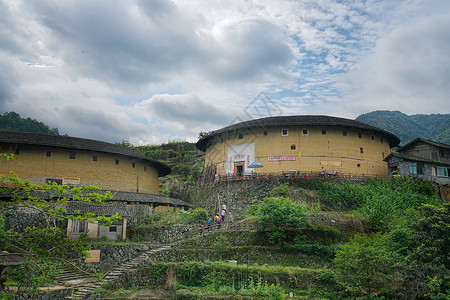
{"x": 50, "y": 295}
{"x": 169, "y": 273}
{"x": 113, "y": 255}
{"x": 160, "y": 235}
{"x": 239, "y": 195}
{"x": 22, "y": 217}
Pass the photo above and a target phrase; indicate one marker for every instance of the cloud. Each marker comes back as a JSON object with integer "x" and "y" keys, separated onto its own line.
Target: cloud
{"x": 121, "y": 43}
{"x": 245, "y": 48}
{"x": 408, "y": 71}
{"x": 103, "y": 126}
{"x": 188, "y": 113}
{"x": 187, "y": 108}
{"x": 8, "y": 81}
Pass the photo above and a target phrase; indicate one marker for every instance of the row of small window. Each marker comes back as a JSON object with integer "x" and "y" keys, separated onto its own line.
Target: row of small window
{"x": 417, "y": 168}
{"x": 361, "y": 150}
{"x": 72, "y": 155}
{"x": 285, "y": 132}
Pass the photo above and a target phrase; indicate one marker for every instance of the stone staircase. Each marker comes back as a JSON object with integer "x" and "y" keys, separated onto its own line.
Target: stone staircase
{"x": 85, "y": 289}
{"x": 71, "y": 276}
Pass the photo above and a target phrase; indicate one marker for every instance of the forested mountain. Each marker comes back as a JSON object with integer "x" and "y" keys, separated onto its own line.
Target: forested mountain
{"x": 12, "y": 121}
{"x": 435, "y": 127}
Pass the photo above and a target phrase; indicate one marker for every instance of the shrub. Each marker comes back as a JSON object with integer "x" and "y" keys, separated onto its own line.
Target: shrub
{"x": 222, "y": 246}
{"x": 281, "y": 215}
{"x": 199, "y": 215}
{"x": 363, "y": 262}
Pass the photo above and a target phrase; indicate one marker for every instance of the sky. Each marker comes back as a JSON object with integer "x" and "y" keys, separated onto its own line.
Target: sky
{"x": 153, "y": 71}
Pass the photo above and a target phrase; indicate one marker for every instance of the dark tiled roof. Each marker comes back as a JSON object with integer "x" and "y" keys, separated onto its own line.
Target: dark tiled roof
{"x": 418, "y": 140}
{"x": 297, "y": 121}
{"x": 147, "y": 198}
{"x": 60, "y": 141}
{"x": 116, "y": 196}
{"x": 414, "y": 158}
{"x": 108, "y": 209}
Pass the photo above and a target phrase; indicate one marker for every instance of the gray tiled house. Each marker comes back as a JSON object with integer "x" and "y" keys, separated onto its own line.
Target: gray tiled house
{"x": 422, "y": 159}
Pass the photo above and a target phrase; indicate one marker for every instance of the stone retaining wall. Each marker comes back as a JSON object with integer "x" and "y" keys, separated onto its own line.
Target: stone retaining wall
{"x": 51, "y": 295}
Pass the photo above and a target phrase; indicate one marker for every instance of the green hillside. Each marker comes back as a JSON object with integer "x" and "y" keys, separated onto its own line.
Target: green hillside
{"x": 184, "y": 158}
{"x": 12, "y": 121}
{"x": 435, "y": 127}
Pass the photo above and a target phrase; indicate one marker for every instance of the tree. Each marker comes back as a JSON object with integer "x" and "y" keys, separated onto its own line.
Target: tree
{"x": 281, "y": 215}
{"x": 13, "y": 121}
{"x": 363, "y": 262}
{"x": 432, "y": 233}
{"x": 45, "y": 246}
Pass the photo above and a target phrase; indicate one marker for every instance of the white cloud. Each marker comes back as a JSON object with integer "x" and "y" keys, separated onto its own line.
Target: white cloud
{"x": 408, "y": 70}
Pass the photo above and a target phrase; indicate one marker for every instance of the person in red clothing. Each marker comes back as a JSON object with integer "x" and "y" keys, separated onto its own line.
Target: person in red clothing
{"x": 219, "y": 221}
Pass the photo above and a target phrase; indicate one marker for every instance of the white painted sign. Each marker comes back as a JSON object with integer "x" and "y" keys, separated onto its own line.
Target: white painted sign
{"x": 280, "y": 158}
{"x": 244, "y": 154}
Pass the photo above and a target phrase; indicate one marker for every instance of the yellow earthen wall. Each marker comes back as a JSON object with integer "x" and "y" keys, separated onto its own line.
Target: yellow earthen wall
{"x": 332, "y": 150}
{"x": 33, "y": 165}
{"x": 163, "y": 208}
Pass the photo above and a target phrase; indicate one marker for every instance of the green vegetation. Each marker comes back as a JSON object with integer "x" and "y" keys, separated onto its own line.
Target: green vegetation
{"x": 185, "y": 160}
{"x": 281, "y": 217}
{"x": 44, "y": 247}
{"x": 408, "y": 261}
{"x": 12, "y": 121}
{"x": 379, "y": 200}
{"x": 204, "y": 279}
{"x": 149, "y": 225}
{"x": 435, "y": 127}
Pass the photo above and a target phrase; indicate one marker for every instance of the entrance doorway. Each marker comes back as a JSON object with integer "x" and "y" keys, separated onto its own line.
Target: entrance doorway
{"x": 239, "y": 168}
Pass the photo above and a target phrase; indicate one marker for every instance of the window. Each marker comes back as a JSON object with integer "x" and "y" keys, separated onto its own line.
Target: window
{"x": 284, "y": 132}
{"x": 373, "y": 138}
{"x": 324, "y": 131}
{"x": 381, "y": 140}
{"x": 361, "y": 150}
{"x": 116, "y": 161}
{"x": 382, "y": 154}
{"x": 72, "y": 155}
{"x": 434, "y": 155}
{"x": 292, "y": 147}
{"x": 94, "y": 158}
{"x": 442, "y": 172}
{"x": 265, "y": 132}
{"x": 305, "y": 132}
{"x": 214, "y": 143}
{"x": 221, "y": 140}
{"x": 441, "y": 153}
{"x": 48, "y": 154}
{"x": 359, "y": 135}
{"x": 17, "y": 151}
{"x": 133, "y": 165}
{"x": 240, "y": 136}
{"x": 358, "y": 165}
{"x": 420, "y": 168}
{"x": 416, "y": 168}
{"x": 113, "y": 229}
{"x": 412, "y": 168}
{"x": 344, "y": 133}
{"x": 145, "y": 169}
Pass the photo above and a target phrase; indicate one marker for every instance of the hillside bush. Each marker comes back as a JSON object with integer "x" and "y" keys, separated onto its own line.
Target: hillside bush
{"x": 380, "y": 200}
{"x": 363, "y": 262}
{"x": 410, "y": 261}
{"x": 281, "y": 216}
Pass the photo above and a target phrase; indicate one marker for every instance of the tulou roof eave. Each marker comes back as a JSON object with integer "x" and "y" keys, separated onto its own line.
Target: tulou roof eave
{"x": 304, "y": 120}
{"x": 67, "y": 142}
